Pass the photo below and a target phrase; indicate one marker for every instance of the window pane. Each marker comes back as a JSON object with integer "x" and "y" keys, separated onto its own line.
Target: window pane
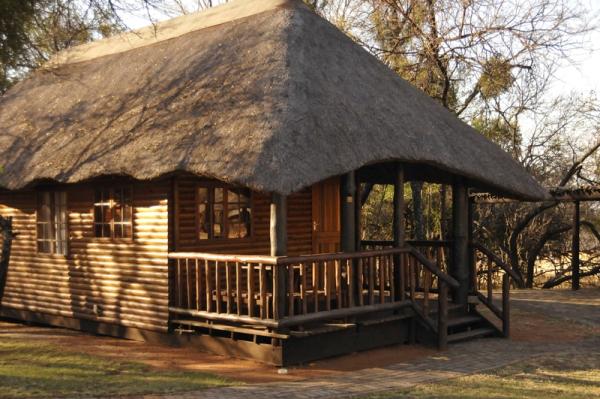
{"x": 107, "y": 215}
{"x": 218, "y": 195}
{"x": 105, "y": 230}
{"x": 218, "y": 220}
{"x": 118, "y": 231}
{"x": 127, "y": 231}
{"x": 98, "y": 230}
{"x": 203, "y": 223}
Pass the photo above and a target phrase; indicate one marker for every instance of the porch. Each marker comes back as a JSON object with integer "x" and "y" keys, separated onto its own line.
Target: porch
{"x": 288, "y": 309}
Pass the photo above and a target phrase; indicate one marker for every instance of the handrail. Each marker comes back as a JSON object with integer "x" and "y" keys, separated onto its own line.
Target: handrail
{"x": 496, "y": 259}
{"x": 286, "y": 260}
{"x": 504, "y": 313}
{"x": 430, "y": 243}
{"x": 433, "y": 268}
{"x": 414, "y": 243}
{"x": 267, "y": 260}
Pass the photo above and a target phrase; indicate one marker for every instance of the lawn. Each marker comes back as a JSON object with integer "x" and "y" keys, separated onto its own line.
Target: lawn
{"x": 31, "y": 369}
{"x": 556, "y": 377}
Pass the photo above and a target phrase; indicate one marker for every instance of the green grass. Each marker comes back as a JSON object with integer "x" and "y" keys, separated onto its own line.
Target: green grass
{"x": 30, "y": 369}
{"x": 556, "y": 377}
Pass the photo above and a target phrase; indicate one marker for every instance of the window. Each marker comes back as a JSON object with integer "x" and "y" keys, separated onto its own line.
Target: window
{"x": 113, "y": 213}
{"x": 223, "y": 212}
{"x": 51, "y": 221}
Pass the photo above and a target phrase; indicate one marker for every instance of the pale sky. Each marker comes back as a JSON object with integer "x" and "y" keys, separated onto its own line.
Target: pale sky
{"x": 584, "y": 76}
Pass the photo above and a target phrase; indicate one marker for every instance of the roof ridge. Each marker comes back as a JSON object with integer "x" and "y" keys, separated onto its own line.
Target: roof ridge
{"x": 165, "y": 30}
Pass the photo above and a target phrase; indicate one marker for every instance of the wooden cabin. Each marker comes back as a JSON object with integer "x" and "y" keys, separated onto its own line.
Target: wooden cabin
{"x": 199, "y": 183}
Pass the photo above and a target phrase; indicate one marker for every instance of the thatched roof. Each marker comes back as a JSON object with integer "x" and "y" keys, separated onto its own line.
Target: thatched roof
{"x": 260, "y": 93}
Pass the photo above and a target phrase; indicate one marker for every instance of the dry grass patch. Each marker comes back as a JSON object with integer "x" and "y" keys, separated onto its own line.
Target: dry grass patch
{"x": 34, "y": 369}
{"x": 549, "y": 377}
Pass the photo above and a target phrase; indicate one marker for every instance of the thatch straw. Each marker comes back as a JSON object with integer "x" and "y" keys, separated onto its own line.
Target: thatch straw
{"x": 270, "y": 96}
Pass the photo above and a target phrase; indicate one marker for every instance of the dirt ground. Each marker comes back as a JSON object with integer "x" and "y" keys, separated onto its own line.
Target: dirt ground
{"x": 537, "y": 316}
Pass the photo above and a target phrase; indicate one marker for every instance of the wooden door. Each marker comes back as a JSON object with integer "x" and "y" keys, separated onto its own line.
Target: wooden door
{"x": 326, "y": 216}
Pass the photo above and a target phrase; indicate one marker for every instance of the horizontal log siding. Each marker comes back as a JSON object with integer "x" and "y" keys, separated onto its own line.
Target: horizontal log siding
{"x": 299, "y": 224}
{"x": 126, "y": 279}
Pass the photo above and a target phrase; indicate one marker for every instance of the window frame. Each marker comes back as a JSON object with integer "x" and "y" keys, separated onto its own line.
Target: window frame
{"x": 111, "y": 201}
{"x": 56, "y": 227}
{"x": 211, "y": 185}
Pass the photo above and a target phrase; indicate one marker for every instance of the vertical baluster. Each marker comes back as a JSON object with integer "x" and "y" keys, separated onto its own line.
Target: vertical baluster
{"x": 402, "y": 272}
{"x": 276, "y": 288}
{"x": 350, "y": 281}
{"x": 327, "y": 282}
{"x": 263, "y": 290}
{"x": 392, "y": 273}
{"x": 303, "y": 271}
{"x": 338, "y": 282}
{"x": 198, "y": 299}
{"x": 315, "y": 277}
{"x": 228, "y": 285}
{"x": 412, "y": 276}
{"x": 426, "y": 286}
{"x": 490, "y": 281}
{"x": 371, "y": 280}
{"x": 188, "y": 282}
{"x": 208, "y": 280}
{"x": 291, "y": 289}
{"x": 361, "y": 281}
{"x": 381, "y": 279}
{"x": 179, "y": 287}
{"x": 250, "y": 289}
{"x": 218, "y": 286}
{"x": 238, "y": 287}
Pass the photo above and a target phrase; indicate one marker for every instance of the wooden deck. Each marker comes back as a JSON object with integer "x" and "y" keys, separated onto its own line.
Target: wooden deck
{"x": 296, "y": 309}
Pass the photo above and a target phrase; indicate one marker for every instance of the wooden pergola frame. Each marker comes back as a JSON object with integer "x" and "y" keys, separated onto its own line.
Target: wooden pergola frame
{"x": 560, "y": 195}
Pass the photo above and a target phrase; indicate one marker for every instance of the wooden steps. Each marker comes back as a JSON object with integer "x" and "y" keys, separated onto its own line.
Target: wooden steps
{"x": 472, "y": 334}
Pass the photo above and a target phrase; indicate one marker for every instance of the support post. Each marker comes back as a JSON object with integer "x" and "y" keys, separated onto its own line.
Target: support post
{"x": 357, "y": 213}
{"x": 472, "y": 265}
{"x": 278, "y": 231}
{"x": 575, "y": 261}
{"x": 347, "y": 213}
{"x": 443, "y": 316}
{"x": 460, "y": 247}
{"x": 506, "y": 305}
{"x": 398, "y": 228}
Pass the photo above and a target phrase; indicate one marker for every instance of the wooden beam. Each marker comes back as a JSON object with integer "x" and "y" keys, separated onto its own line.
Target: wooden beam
{"x": 575, "y": 262}
{"x": 460, "y": 251}
{"x": 278, "y": 231}
{"x": 278, "y": 225}
{"x": 398, "y": 225}
{"x": 347, "y": 213}
{"x": 399, "y": 207}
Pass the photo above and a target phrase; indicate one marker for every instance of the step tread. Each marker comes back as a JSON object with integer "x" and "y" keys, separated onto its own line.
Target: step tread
{"x": 477, "y": 333}
{"x": 462, "y": 320}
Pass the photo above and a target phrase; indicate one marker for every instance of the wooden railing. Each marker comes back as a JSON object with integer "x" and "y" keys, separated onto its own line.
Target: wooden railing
{"x": 491, "y": 269}
{"x": 285, "y": 292}
{"x": 436, "y": 250}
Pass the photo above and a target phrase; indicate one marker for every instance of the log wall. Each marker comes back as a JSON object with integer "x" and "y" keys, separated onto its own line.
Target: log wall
{"x": 122, "y": 282}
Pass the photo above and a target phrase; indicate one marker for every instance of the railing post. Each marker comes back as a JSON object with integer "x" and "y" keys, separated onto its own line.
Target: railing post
{"x": 278, "y": 230}
{"x": 506, "y": 305}
{"x": 442, "y": 315}
{"x": 398, "y": 229}
{"x": 460, "y": 250}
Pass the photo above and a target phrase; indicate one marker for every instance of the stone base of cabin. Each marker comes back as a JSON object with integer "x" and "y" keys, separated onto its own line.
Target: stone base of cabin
{"x": 316, "y": 342}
